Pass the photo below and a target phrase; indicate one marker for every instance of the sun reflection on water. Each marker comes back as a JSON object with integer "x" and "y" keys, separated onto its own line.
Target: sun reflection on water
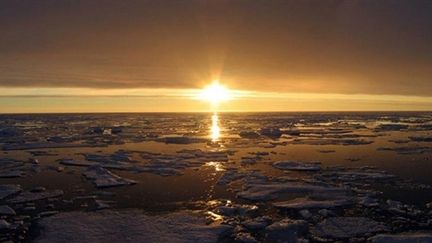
{"x": 217, "y": 165}
{"x": 215, "y": 129}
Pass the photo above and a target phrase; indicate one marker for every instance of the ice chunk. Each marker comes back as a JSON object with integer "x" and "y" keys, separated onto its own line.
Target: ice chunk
{"x": 182, "y": 140}
{"x": 11, "y": 173}
{"x": 236, "y": 209}
{"x": 391, "y": 127}
{"x": 403, "y": 238}
{"x": 421, "y": 139}
{"x": 244, "y": 237}
{"x": 286, "y": 230}
{"x": 271, "y": 132}
{"x": 105, "y": 164}
{"x": 6, "y": 210}
{"x": 28, "y": 196}
{"x": 7, "y": 190}
{"x": 293, "y": 165}
{"x": 100, "y": 204}
{"x": 44, "y": 145}
{"x": 47, "y": 213}
{"x": 249, "y": 160}
{"x": 128, "y": 226}
{"x": 408, "y": 150}
{"x": 360, "y": 175}
{"x": 5, "y": 225}
{"x": 346, "y": 227}
{"x": 104, "y": 178}
{"x": 249, "y": 134}
{"x": 257, "y": 223}
{"x": 323, "y": 141}
{"x": 76, "y": 162}
{"x": 303, "y": 203}
{"x": 306, "y": 214}
{"x": 269, "y": 191}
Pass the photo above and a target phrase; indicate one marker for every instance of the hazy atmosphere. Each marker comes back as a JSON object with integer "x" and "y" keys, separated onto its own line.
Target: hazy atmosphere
{"x": 289, "y": 55}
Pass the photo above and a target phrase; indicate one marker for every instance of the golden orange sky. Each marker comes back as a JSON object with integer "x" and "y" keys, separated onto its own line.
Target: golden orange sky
{"x": 287, "y": 55}
{"x": 42, "y": 100}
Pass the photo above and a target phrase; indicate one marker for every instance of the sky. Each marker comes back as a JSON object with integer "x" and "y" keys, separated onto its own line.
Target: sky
{"x": 142, "y": 55}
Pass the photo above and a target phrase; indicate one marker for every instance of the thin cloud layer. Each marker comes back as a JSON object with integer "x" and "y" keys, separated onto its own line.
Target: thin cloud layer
{"x": 369, "y": 47}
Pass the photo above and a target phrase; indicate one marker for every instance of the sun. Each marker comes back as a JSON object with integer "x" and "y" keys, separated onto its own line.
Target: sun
{"x": 215, "y": 93}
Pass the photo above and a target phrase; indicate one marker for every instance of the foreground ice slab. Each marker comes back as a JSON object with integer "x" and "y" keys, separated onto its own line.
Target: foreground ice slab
{"x": 293, "y": 165}
{"x": 346, "y": 227}
{"x": 29, "y": 196}
{"x": 306, "y": 203}
{"x": 128, "y": 226}
{"x": 403, "y": 238}
{"x": 286, "y": 230}
{"x": 104, "y": 178}
{"x": 269, "y": 191}
{"x": 7, "y": 190}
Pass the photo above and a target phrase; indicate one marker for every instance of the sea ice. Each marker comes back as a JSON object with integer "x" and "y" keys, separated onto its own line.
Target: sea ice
{"x": 249, "y": 134}
{"x": 8, "y": 189}
{"x": 286, "y": 230}
{"x": 6, "y": 210}
{"x": 271, "y": 132}
{"x": 104, "y": 178}
{"x": 182, "y": 140}
{"x": 306, "y": 203}
{"x": 269, "y": 191}
{"x": 346, "y": 227}
{"x": 11, "y": 173}
{"x": 130, "y": 226}
{"x": 257, "y": 223}
{"x": 28, "y": 196}
{"x": 293, "y": 165}
{"x": 403, "y": 238}
{"x": 408, "y": 150}
{"x": 4, "y": 225}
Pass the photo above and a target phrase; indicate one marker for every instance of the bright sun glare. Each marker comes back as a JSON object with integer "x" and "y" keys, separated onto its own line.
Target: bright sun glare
{"x": 215, "y": 93}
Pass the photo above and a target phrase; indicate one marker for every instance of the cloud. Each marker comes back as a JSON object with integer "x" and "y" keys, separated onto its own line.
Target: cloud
{"x": 332, "y": 46}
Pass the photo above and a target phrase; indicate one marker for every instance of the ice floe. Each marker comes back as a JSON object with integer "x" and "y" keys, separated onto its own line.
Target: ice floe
{"x": 104, "y": 178}
{"x": 418, "y": 237}
{"x": 8, "y": 189}
{"x": 6, "y": 210}
{"x": 132, "y": 226}
{"x": 286, "y": 230}
{"x": 346, "y": 227}
{"x": 301, "y": 166}
{"x": 305, "y": 203}
{"x": 269, "y": 191}
{"x": 29, "y": 196}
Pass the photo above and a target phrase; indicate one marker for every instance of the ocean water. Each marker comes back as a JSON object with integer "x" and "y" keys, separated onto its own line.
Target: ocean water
{"x": 181, "y": 160}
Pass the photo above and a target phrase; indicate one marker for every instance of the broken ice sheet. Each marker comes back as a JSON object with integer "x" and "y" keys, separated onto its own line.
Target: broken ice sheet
{"x": 307, "y": 203}
{"x": 347, "y": 227}
{"x": 134, "y": 225}
{"x": 104, "y": 178}
{"x": 271, "y": 190}
{"x": 411, "y": 237}
{"x": 286, "y": 230}
{"x": 6, "y": 210}
{"x": 300, "y": 166}
{"x": 29, "y": 196}
{"x": 408, "y": 150}
{"x": 11, "y": 173}
{"x": 7, "y": 190}
{"x": 323, "y": 141}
